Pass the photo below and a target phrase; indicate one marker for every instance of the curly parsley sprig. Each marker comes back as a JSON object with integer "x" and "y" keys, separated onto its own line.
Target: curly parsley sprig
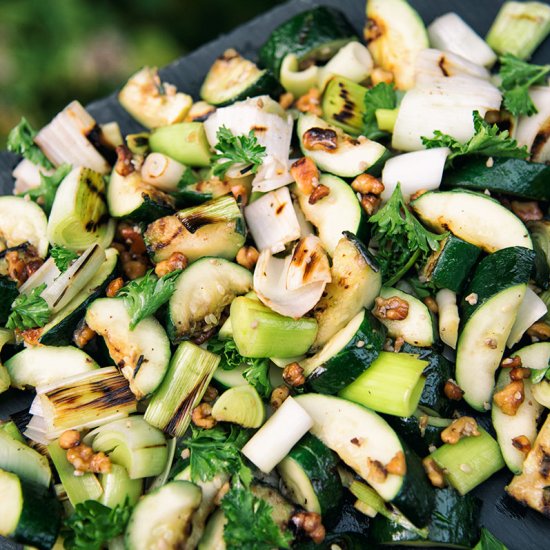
{"x": 21, "y": 141}
{"x": 241, "y": 150}
{"x": 29, "y": 311}
{"x": 63, "y": 257}
{"x": 401, "y": 238}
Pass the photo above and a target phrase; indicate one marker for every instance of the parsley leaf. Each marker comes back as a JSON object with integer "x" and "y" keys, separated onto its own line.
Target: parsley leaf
{"x": 402, "y": 239}
{"x": 381, "y": 96}
{"x": 21, "y": 141}
{"x": 215, "y": 450}
{"x": 144, "y": 296}
{"x": 62, "y": 257}
{"x": 517, "y": 77}
{"x": 29, "y": 311}
{"x": 237, "y": 150}
{"x": 256, "y": 371}
{"x": 93, "y": 524}
{"x": 489, "y": 542}
{"x": 250, "y": 525}
{"x": 487, "y": 140}
{"x": 45, "y": 193}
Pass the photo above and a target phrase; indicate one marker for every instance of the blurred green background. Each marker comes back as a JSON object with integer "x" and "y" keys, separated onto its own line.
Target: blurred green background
{"x": 53, "y": 51}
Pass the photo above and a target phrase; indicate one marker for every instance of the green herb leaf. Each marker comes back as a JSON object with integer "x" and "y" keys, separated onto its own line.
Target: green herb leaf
{"x": 144, "y": 296}
{"x": 45, "y": 193}
{"x": 487, "y": 140}
{"x": 93, "y": 524}
{"x": 381, "y": 96}
{"x": 62, "y": 257}
{"x": 250, "y": 525}
{"x": 256, "y": 372}
{"x": 489, "y": 542}
{"x": 29, "y": 311}
{"x": 401, "y": 238}
{"x": 517, "y": 77}
{"x": 232, "y": 150}
{"x": 21, "y": 141}
{"x": 188, "y": 178}
{"x": 215, "y": 451}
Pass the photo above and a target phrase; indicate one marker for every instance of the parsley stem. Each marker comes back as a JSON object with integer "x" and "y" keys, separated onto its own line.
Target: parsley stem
{"x": 404, "y": 269}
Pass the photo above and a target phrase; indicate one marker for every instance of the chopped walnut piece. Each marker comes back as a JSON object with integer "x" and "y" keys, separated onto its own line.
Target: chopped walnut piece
{"x": 431, "y": 304}
{"x": 397, "y": 465}
{"x": 278, "y": 396}
{"x": 320, "y": 192}
{"x": 310, "y": 102}
{"x": 519, "y": 373}
{"x": 83, "y": 459}
{"x": 320, "y": 139}
{"x": 522, "y": 443}
{"x": 83, "y": 335}
{"x": 510, "y": 397}
{"x": 540, "y": 331}
{"x": 202, "y": 416}
{"x": 210, "y": 394}
{"x": 131, "y": 236}
{"x": 114, "y": 286}
{"x": 293, "y": 375}
{"x": 370, "y": 203}
{"x": 69, "y": 439}
{"x": 527, "y": 211}
{"x": 286, "y": 100}
{"x": 377, "y": 471}
{"x": 398, "y": 344}
{"x": 435, "y": 474}
{"x": 124, "y": 166}
{"x": 471, "y": 299}
{"x": 381, "y": 75}
{"x": 30, "y": 336}
{"x": 310, "y": 523}
{"x": 240, "y": 192}
{"x": 177, "y": 260}
{"x": 22, "y": 264}
{"x": 465, "y": 426}
{"x": 367, "y": 184}
{"x": 247, "y": 256}
{"x": 305, "y": 174}
{"x": 511, "y": 362}
{"x": 417, "y": 194}
{"x": 453, "y": 391}
{"x": 393, "y": 308}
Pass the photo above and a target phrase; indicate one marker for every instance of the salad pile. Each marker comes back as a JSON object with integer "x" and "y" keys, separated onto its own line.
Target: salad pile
{"x": 309, "y": 310}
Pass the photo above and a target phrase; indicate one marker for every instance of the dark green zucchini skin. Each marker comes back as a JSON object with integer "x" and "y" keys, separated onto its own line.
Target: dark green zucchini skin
{"x": 416, "y": 499}
{"x": 314, "y": 456}
{"x": 343, "y": 541}
{"x": 450, "y": 267}
{"x": 8, "y": 293}
{"x": 497, "y": 272}
{"x": 266, "y": 84}
{"x": 515, "y": 177}
{"x": 454, "y": 524}
{"x": 150, "y": 210}
{"x": 307, "y": 35}
{"x": 40, "y": 518}
{"x": 350, "y": 519}
{"x": 352, "y": 361}
{"x": 62, "y": 333}
{"x": 438, "y": 371}
{"x": 408, "y": 429}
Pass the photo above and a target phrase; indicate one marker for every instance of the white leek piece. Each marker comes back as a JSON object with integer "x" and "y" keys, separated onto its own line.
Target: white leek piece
{"x": 61, "y": 291}
{"x": 533, "y": 130}
{"x": 448, "y": 317}
{"x": 272, "y": 220}
{"x": 45, "y": 274}
{"x": 295, "y": 81}
{"x": 85, "y": 400}
{"x": 307, "y": 264}
{"x": 272, "y": 442}
{"x": 451, "y": 33}
{"x": 162, "y": 172}
{"x": 530, "y": 311}
{"x": 353, "y": 62}
{"x": 27, "y": 176}
{"x": 270, "y": 284}
{"x": 444, "y": 63}
{"x": 64, "y": 139}
{"x": 414, "y": 171}
{"x": 272, "y": 127}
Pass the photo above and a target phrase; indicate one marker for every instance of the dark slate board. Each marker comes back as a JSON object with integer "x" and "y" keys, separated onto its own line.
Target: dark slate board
{"x": 518, "y": 527}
